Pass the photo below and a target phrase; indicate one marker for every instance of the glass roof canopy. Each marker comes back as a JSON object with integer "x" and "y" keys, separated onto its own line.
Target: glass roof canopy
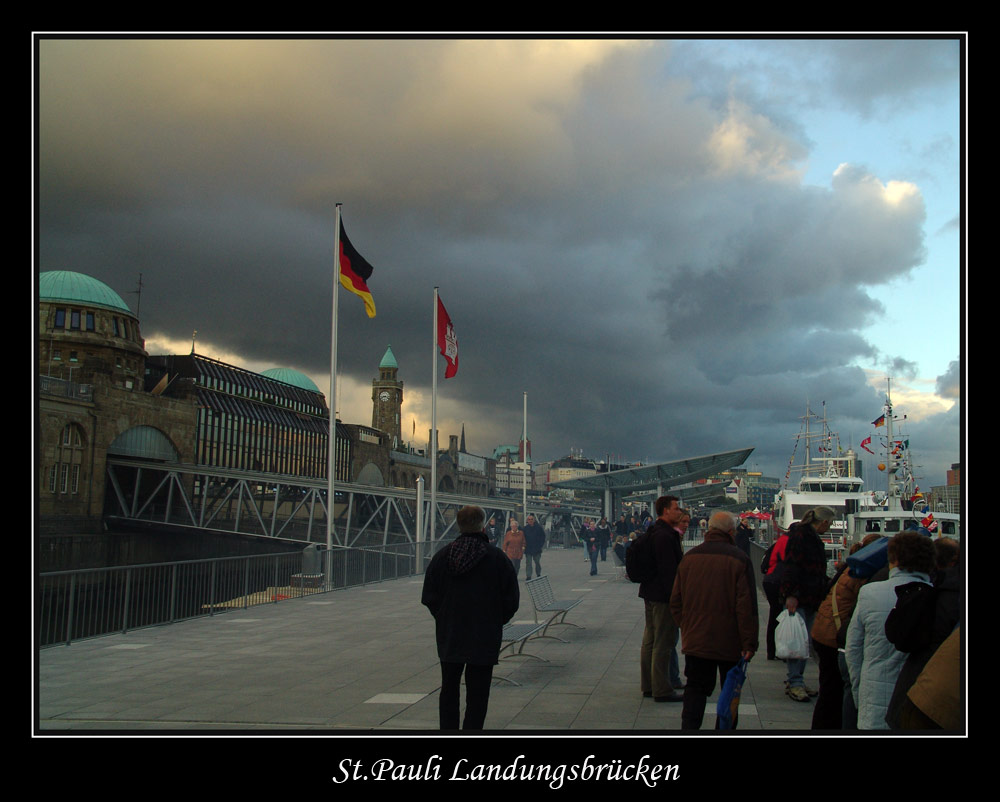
{"x": 663, "y": 475}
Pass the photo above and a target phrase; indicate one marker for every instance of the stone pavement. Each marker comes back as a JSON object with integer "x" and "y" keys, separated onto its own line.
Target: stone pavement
{"x": 363, "y": 659}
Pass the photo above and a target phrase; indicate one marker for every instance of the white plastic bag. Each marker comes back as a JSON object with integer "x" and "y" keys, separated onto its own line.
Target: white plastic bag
{"x": 791, "y": 638}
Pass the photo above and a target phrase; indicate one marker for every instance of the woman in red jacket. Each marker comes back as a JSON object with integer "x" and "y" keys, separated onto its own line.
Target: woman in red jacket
{"x": 772, "y": 583}
{"x": 513, "y": 545}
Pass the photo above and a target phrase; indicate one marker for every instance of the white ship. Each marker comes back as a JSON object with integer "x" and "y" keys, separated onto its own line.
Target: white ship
{"x": 901, "y": 506}
{"x": 828, "y": 478}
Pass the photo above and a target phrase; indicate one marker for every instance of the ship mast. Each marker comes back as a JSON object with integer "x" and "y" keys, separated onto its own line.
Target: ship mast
{"x": 896, "y": 457}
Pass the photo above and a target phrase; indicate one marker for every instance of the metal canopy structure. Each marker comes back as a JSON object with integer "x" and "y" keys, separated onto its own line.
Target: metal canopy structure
{"x": 688, "y": 495}
{"x": 663, "y": 475}
{"x": 658, "y": 478}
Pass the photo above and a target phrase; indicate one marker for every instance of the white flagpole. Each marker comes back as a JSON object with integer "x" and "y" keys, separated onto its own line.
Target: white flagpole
{"x": 524, "y": 470}
{"x": 332, "y": 440}
{"x": 434, "y": 433}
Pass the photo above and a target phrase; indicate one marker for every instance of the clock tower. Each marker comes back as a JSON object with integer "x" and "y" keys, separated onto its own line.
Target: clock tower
{"x": 387, "y": 399}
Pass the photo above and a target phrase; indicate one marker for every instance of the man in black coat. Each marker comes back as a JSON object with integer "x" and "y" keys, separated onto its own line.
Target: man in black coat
{"x": 743, "y": 537}
{"x": 660, "y": 635}
{"x": 471, "y": 590}
{"x": 534, "y": 542}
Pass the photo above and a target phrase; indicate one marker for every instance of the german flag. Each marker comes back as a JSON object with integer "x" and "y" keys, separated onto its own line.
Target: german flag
{"x": 355, "y": 272}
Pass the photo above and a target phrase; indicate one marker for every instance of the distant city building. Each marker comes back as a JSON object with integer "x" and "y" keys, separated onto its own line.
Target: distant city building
{"x": 512, "y": 475}
{"x": 749, "y": 487}
{"x": 571, "y": 467}
{"x": 947, "y": 497}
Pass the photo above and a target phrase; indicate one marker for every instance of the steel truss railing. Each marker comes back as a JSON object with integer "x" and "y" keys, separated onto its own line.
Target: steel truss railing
{"x": 87, "y": 603}
{"x": 279, "y": 506}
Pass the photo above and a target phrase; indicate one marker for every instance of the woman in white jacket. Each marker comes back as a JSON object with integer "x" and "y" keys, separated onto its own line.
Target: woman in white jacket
{"x": 873, "y": 661}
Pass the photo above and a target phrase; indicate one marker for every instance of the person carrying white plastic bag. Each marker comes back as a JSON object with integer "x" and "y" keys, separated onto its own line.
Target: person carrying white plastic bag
{"x": 791, "y": 638}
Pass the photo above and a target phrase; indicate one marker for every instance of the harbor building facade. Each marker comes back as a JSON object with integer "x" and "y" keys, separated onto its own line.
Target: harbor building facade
{"x": 91, "y": 400}
{"x": 100, "y": 395}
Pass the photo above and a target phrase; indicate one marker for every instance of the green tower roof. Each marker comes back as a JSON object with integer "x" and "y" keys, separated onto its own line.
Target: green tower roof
{"x": 289, "y": 376}
{"x": 65, "y": 285}
{"x": 388, "y": 360}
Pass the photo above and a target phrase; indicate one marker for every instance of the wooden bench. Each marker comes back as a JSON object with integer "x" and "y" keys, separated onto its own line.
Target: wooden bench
{"x": 545, "y": 602}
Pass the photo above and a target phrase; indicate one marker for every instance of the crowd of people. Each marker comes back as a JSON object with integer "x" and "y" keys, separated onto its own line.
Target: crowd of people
{"x": 884, "y": 628}
{"x": 874, "y": 626}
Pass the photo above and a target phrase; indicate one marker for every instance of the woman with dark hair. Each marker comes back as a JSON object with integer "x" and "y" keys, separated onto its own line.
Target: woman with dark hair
{"x": 803, "y": 584}
{"x": 603, "y": 530}
{"x": 920, "y": 622}
{"x": 874, "y": 663}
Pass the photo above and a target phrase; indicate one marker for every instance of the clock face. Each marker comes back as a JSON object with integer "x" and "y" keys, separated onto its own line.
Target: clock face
{"x": 384, "y": 395}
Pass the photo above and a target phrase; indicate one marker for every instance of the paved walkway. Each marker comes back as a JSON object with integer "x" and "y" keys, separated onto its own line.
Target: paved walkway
{"x": 364, "y": 659}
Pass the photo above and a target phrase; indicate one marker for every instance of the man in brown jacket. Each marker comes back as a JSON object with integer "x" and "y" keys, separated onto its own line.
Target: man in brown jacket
{"x": 714, "y": 602}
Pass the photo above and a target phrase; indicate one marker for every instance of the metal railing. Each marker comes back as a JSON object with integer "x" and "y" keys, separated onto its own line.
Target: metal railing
{"x": 77, "y": 604}
{"x": 50, "y": 385}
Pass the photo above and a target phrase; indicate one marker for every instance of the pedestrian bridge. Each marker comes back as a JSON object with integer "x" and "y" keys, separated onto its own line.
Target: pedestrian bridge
{"x": 278, "y": 506}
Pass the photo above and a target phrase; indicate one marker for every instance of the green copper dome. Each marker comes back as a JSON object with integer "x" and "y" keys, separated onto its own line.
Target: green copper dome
{"x": 76, "y": 288}
{"x": 289, "y": 376}
{"x": 388, "y": 361}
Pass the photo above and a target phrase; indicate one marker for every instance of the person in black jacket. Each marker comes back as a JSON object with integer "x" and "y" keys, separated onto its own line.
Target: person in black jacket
{"x": 922, "y": 625}
{"x": 804, "y": 584}
{"x": 660, "y": 635}
{"x": 471, "y": 590}
{"x": 534, "y": 542}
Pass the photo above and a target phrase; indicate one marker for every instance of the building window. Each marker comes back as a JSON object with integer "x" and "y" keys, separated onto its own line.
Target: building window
{"x": 73, "y": 357}
{"x": 90, "y": 321}
{"x": 69, "y": 457}
{"x": 60, "y": 319}
{"x": 57, "y": 355}
{"x": 74, "y": 320}
{"x": 114, "y": 325}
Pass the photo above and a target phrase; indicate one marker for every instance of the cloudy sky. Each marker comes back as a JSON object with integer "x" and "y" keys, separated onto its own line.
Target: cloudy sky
{"x": 671, "y": 246}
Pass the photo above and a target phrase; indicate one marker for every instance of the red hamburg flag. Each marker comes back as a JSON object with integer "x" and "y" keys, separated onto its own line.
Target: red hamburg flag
{"x": 447, "y": 341}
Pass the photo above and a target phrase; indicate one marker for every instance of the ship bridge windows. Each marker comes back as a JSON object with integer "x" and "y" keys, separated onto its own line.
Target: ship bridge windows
{"x": 798, "y": 510}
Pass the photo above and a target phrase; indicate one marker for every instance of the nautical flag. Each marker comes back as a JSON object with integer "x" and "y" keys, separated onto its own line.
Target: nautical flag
{"x": 865, "y": 443}
{"x": 879, "y": 421}
{"x": 447, "y": 341}
{"x": 929, "y": 523}
{"x": 355, "y": 272}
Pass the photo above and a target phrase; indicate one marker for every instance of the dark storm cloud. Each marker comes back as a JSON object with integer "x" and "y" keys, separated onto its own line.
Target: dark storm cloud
{"x": 642, "y": 260}
{"x": 949, "y": 383}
